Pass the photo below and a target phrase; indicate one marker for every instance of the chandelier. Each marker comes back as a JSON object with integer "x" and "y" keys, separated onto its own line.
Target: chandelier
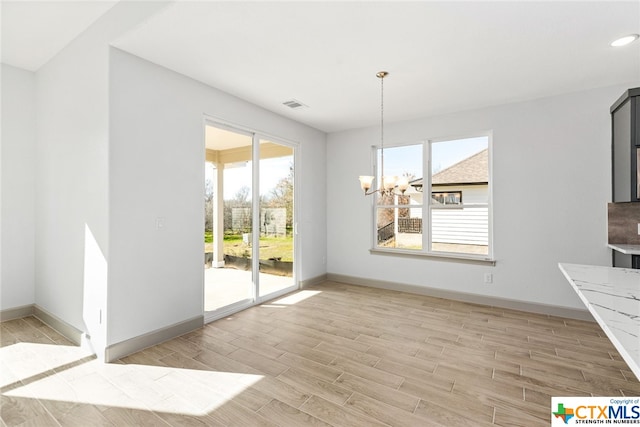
{"x": 388, "y": 183}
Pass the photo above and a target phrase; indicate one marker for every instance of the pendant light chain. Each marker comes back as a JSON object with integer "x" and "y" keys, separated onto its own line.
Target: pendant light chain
{"x": 393, "y": 183}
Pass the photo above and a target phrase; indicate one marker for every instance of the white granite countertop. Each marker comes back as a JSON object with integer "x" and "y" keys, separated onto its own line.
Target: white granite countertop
{"x": 612, "y": 295}
{"x": 625, "y": 249}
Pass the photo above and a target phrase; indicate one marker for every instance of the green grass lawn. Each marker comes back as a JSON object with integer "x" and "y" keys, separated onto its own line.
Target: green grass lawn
{"x": 270, "y": 247}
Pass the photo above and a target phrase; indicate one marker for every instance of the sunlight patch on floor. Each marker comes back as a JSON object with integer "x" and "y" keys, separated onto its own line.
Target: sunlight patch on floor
{"x": 21, "y": 361}
{"x": 156, "y": 388}
{"x": 295, "y": 298}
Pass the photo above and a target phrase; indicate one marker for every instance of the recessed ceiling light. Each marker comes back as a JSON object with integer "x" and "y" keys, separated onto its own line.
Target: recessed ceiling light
{"x": 623, "y": 41}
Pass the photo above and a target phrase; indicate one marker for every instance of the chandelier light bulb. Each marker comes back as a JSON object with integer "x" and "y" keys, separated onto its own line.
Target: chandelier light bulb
{"x": 365, "y": 182}
{"x": 403, "y": 184}
{"x": 389, "y": 182}
{"x": 623, "y": 41}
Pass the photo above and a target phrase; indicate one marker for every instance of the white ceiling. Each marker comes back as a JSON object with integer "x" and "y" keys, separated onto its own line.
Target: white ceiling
{"x": 442, "y": 56}
{"x": 34, "y": 31}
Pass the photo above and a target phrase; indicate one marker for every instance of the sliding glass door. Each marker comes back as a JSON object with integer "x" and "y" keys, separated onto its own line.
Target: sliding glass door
{"x": 228, "y": 218}
{"x": 249, "y": 219}
{"x": 276, "y": 251}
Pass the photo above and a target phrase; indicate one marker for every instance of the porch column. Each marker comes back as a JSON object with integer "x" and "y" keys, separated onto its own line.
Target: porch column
{"x": 218, "y": 216}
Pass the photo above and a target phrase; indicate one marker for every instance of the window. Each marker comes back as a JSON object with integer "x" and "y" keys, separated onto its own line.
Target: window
{"x": 456, "y": 220}
{"x": 447, "y": 198}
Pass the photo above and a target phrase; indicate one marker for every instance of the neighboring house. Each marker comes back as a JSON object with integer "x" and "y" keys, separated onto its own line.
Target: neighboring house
{"x": 462, "y": 184}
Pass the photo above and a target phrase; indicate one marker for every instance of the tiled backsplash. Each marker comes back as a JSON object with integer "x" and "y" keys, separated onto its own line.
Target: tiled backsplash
{"x": 623, "y": 223}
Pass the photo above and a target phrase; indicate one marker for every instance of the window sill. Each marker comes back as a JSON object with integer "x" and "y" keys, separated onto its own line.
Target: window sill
{"x": 444, "y": 256}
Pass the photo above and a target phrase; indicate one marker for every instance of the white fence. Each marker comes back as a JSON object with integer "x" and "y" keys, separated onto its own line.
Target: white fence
{"x": 273, "y": 221}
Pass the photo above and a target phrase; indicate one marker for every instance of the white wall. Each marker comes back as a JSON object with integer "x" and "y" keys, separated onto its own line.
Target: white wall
{"x": 551, "y": 184}
{"x": 157, "y": 171}
{"x": 72, "y": 168}
{"x": 119, "y": 143}
{"x": 17, "y": 180}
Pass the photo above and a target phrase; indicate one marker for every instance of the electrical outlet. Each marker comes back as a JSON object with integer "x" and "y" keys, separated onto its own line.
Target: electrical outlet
{"x": 638, "y": 229}
{"x": 159, "y": 222}
{"x": 488, "y": 278}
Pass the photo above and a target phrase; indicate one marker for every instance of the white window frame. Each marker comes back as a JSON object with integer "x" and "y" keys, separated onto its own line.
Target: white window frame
{"x": 427, "y": 205}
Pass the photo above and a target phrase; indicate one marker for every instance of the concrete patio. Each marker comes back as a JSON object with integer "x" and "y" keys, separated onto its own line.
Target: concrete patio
{"x": 224, "y": 286}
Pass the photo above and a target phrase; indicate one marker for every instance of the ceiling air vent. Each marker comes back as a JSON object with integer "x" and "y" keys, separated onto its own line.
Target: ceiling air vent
{"x": 294, "y": 103}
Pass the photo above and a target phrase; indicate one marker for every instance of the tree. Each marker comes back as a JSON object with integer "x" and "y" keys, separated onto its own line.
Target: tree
{"x": 281, "y": 196}
{"x": 240, "y": 200}
{"x": 241, "y": 196}
{"x": 208, "y": 205}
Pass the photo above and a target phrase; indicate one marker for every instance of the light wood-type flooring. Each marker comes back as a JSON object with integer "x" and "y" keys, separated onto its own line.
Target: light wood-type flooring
{"x": 332, "y": 355}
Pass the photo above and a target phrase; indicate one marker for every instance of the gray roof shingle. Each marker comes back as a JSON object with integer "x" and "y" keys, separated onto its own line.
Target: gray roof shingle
{"x": 472, "y": 170}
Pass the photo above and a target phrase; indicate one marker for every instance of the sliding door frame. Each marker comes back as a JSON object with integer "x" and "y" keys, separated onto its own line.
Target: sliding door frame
{"x": 257, "y": 136}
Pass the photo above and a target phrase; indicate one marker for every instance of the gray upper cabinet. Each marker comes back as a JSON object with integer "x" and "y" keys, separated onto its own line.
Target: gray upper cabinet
{"x": 625, "y": 147}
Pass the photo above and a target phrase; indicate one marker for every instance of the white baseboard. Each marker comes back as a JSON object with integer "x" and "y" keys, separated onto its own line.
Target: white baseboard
{"x": 17, "y": 312}
{"x": 552, "y": 310}
{"x": 313, "y": 281}
{"x": 132, "y": 345}
{"x": 65, "y": 329}
{"x": 114, "y": 351}
{"x": 53, "y": 321}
